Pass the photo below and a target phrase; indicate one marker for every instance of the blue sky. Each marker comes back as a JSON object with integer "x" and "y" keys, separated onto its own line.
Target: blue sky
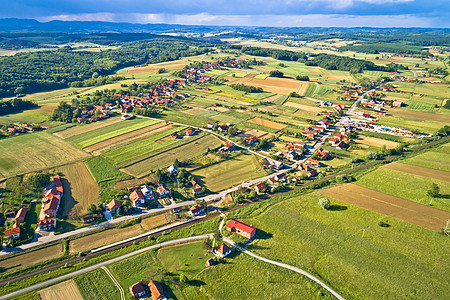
{"x": 346, "y": 13}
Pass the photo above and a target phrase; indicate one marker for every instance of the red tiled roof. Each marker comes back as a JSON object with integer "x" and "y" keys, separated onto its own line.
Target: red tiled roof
{"x": 241, "y": 226}
{"x": 156, "y": 289}
{"x": 12, "y": 231}
{"x": 136, "y": 195}
{"x": 222, "y": 249}
{"x": 114, "y": 204}
{"x": 21, "y": 214}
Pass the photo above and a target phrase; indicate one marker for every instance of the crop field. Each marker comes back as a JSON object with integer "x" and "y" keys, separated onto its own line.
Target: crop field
{"x": 229, "y": 172}
{"x": 419, "y": 115}
{"x": 98, "y": 135}
{"x": 101, "y": 170}
{"x": 267, "y": 123}
{"x": 141, "y": 147}
{"x": 61, "y": 291}
{"x": 421, "y": 171}
{"x": 103, "y": 238}
{"x": 329, "y": 243}
{"x": 80, "y": 189}
{"x": 155, "y": 221}
{"x": 182, "y": 152}
{"x": 38, "y": 116}
{"x": 306, "y": 108}
{"x": 31, "y": 258}
{"x": 96, "y": 285}
{"x": 430, "y": 125}
{"x": 249, "y": 132}
{"x": 273, "y": 85}
{"x": 437, "y": 159}
{"x": 79, "y": 129}
{"x": 416, "y": 105}
{"x": 411, "y": 212}
{"x": 375, "y": 142}
{"x": 36, "y": 151}
{"x": 127, "y": 138}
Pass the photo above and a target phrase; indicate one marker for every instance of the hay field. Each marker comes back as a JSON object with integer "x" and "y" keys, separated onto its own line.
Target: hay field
{"x": 272, "y": 84}
{"x": 85, "y": 128}
{"x": 304, "y": 107}
{"x": 249, "y": 132}
{"x": 230, "y": 172}
{"x": 80, "y": 188}
{"x": 435, "y": 159}
{"x": 31, "y": 258}
{"x": 61, "y": 291}
{"x": 36, "y": 151}
{"x": 155, "y": 221}
{"x": 267, "y": 123}
{"x": 103, "y": 238}
{"x": 375, "y": 142}
{"x": 411, "y": 212}
{"x": 127, "y": 138}
{"x": 421, "y": 171}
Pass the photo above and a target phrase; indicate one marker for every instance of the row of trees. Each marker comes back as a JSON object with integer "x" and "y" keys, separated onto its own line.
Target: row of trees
{"x": 246, "y": 88}
{"x": 15, "y": 105}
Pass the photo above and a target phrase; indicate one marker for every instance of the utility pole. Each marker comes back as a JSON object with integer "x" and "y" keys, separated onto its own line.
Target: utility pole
{"x": 267, "y": 276}
{"x": 364, "y": 230}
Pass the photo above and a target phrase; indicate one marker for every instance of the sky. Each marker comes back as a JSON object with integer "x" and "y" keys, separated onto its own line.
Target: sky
{"x": 285, "y": 13}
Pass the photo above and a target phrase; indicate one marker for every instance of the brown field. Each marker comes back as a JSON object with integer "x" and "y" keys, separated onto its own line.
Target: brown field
{"x": 249, "y": 132}
{"x": 376, "y": 142}
{"x": 421, "y": 171}
{"x": 411, "y": 212}
{"x": 304, "y": 107}
{"x": 61, "y": 291}
{"x": 273, "y": 85}
{"x": 271, "y": 98}
{"x": 267, "y": 123}
{"x": 418, "y": 115}
{"x": 218, "y": 108}
{"x": 172, "y": 65}
{"x": 32, "y": 258}
{"x": 126, "y": 138}
{"x": 103, "y": 238}
{"x": 164, "y": 139}
{"x": 156, "y": 221}
{"x": 194, "y": 110}
{"x": 80, "y": 189}
{"x": 85, "y": 128}
{"x": 339, "y": 77}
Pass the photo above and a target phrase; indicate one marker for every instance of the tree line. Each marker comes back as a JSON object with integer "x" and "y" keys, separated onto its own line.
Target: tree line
{"x": 15, "y": 105}
{"x": 246, "y": 88}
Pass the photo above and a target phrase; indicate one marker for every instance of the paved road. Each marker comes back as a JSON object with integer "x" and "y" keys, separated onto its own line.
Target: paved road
{"x": 99, "y": 265}
{"x": 292, "y": 268}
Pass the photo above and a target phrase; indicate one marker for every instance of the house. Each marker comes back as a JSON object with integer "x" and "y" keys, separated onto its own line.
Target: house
{"x": 229, "y": 146}
{"x": 13, "y": 233}
{"x": 324, "y": 154}
{"x": 304, "y": 167}
{"x": 312, "y": 173}
{"x": 173, "y": 170}
{"x": 10, "y": 214}
{"x": 272, "y": 181}
{"x": 156, "y": 290}
{"x": 241, "y": 228}
{"x": 313, "y": 163}
{"x": 163, "y": 191}
{"x": 397, "y": 104}
{"x": 113, "y": 206}
{"x": 223, "y": 128}
{"x": 88, "y": 219}
{"x": 196, "y": 210}
{"x": 147, "y": 192}
{"x": 126, "y": 117}
{"x": 260, "y": 187}
{"x": 280, "y": 176}
{"x": 210, "y": 262}
{"x": 46, "y": 223}
{"x": 139, "y": 290}
{"x": 211, "y": 125}
{"x": 137, "y": 198}
{"x": 177, "y": 210}
{"x": 342, "y": 146}
{"x": 222, "y": 250}
{"x": 252, "y": 140}
{"x": 190, "y": 132}
{"x": 21, "y": 214}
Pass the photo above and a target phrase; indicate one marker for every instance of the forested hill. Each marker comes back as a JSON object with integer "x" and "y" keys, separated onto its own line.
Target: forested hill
{"x": 45, "y": 70}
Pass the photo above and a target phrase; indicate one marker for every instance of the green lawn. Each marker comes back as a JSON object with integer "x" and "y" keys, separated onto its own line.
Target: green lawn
{"x": 403, "y": 261}
{"x": 230, "y": 172}
{"x": 95, "y": 136}
{"x": 96, "y": 285}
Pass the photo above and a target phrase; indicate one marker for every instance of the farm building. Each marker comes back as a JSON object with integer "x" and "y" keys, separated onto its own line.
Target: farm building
{"x": 156, "y": 290}
{"x": 21, "y": 214}
{"x": 210, "y": 262}
{"x": 397, "y": 104}
{"x": 88, "y": 219}
{"x": 139, "y": 290}
{"x": 13, "y": 233}
{"x": 126, "y": 117}
{"x": 260, "y": 187}
{"x": 313, "y": 163}
{"x": 137, "y": 198}
{"x": 196, "y": 210}
{"x": 113, "y": 206}
{"x": 222, "y": 250}
{"x": 241, "y": 228}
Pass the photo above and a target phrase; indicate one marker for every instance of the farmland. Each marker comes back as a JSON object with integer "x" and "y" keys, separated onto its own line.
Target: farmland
{"x": 26, "y": 153}
{"x": 96, "y": 285}
{"x": 229, "y": 172}
{"x": 101, "y": 170}
{"x": 61, "y": 291}
{"x": 80, "y": 189}
{"x": 328, "y": 243}
{"x": 31, "y": 258}
{"x": 437, "y": 159}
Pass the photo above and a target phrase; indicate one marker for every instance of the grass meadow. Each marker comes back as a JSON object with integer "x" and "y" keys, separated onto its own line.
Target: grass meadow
{"x": 101, "y": 170}
{"x": 96, "y": 285}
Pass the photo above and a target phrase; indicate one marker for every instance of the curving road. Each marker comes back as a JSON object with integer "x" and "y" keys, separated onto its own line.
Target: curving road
{"x": 289, "y": 267}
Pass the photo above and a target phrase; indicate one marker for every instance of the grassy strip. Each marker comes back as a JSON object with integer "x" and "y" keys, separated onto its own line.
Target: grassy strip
{"x": 101, "y": 170}
{"x": 280, "y": 100}
{"x": 180, "y": 117}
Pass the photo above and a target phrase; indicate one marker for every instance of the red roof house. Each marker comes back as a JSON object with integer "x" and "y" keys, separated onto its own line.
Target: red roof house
{"x": 21, "y": 214}
{"x": 241, "y": 228}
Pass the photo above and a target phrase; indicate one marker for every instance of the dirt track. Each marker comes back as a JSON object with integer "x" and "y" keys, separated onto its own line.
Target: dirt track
{"x": 411, "y": 212}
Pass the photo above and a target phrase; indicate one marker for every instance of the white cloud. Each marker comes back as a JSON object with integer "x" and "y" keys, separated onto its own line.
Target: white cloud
{"x": 341, "y": 4}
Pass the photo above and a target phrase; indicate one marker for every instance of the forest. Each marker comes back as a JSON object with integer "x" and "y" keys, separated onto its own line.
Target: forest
{"x": 15, "y": 105}
{"x": 46, "y": 70}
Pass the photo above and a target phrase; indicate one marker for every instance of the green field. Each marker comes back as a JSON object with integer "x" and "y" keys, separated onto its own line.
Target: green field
{"x": 386, "y": 263}
{"x": 166, "y": 156}
{"x": 438, "y": 159}
{"x": 141, "y": 147}
{"x": 35, "y": 151}
{"x": 424, "y": 126}
{"x": 416, "y": 105}
{"x": 96, "y": 285}
{"x": 230, "y": 172}
{"x": 95, "y": 136}
{"x": 27, "y": 116}
{"x": 101, "y": 170}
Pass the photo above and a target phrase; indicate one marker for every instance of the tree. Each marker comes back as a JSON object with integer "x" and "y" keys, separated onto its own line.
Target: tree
{"x": 217, "y": 236}
{"x": 207, "y": 244}
{"x": 370, "y": 155}
{"x": 184, "y": 278}
{"x": 324, "y": 202}
{"x": 433, "y": 192}
{"x": 75, "y": 213}
{"x": 276, "y": 73}
{"x": 92, "y": 208}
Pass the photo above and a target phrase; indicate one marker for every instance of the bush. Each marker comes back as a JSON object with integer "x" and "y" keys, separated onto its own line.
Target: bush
{"x": 302, "y": 77}
{"x": 383, "y": 224}
{"x": 276, "y": 73}
{"x": 324, "y": 202}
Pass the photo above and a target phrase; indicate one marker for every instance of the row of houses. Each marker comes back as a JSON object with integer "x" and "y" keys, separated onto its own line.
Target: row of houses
{"x": 50, "y": 205}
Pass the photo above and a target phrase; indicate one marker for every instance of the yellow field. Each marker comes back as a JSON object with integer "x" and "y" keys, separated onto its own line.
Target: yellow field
{"x": 62, "y": 291}
{"x": 156, "y": 221}
{"x": 304, "y": 107}
{"x": 80, "y": 189}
